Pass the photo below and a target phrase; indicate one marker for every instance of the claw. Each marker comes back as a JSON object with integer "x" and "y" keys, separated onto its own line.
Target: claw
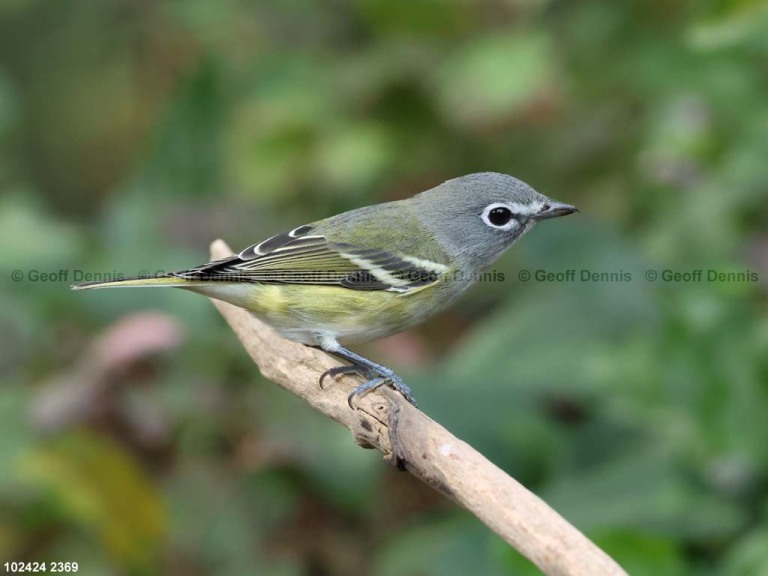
{"x": 365, "y": 388}
{"x": 338, "y": 370}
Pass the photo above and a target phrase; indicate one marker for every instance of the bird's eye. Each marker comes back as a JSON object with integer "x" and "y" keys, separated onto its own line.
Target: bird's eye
{"x": 498, "y": 216}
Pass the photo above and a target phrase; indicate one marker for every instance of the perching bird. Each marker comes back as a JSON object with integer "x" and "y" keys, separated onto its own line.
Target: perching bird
{"x": 371, "y": 272}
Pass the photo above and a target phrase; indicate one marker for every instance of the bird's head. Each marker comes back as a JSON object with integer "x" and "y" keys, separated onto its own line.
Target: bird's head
{"x": 478, "y": 216}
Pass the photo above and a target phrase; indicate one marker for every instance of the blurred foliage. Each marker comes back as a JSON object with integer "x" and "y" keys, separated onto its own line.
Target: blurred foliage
{"x": 92, "y": 483}
{"x": 134, "y": 133}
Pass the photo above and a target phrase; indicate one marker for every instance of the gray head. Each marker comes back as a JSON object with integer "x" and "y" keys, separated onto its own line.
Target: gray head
{"x": 478, "y": 216}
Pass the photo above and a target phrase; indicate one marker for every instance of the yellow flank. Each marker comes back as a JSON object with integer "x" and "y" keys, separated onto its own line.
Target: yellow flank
{"x": 352, "y": 315}
{"x": 269, "y": 297}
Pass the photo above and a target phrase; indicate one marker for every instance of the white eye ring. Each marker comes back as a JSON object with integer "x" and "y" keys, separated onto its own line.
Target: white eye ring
{"x": 508, "y": 225}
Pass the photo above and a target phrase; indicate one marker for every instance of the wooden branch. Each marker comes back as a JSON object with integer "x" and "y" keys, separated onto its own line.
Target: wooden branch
{"x": 409, "y": 439}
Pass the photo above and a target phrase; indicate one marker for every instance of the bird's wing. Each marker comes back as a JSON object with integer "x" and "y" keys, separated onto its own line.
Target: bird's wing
{"x": 301, "y": 257}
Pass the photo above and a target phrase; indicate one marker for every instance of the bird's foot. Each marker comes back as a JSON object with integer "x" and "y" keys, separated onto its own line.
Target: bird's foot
{"x": 389, "y": 378}
{"x": 376, "y": 377}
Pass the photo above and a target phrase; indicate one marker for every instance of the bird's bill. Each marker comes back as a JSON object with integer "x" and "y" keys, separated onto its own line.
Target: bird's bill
{"x": 554, "y": 210}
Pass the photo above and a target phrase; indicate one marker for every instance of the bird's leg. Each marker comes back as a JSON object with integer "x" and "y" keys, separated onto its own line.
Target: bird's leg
{"x": 375, "y": 373}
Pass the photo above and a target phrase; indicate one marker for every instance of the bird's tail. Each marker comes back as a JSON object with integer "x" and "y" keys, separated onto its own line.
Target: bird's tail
{"x": 154, "y": 281}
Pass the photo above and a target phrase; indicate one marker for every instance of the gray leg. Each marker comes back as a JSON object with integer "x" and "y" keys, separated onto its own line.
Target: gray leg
{"x": 376, "y": 374}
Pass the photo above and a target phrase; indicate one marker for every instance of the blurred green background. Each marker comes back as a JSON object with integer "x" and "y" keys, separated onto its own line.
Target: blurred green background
{"x": 137, "y": 438}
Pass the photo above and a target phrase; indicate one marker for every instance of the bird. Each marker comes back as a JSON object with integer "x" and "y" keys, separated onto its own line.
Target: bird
{"x": 372, "y": 271}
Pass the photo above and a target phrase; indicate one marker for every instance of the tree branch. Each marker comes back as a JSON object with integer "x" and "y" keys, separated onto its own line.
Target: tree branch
{"x": 414, "y": 442}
